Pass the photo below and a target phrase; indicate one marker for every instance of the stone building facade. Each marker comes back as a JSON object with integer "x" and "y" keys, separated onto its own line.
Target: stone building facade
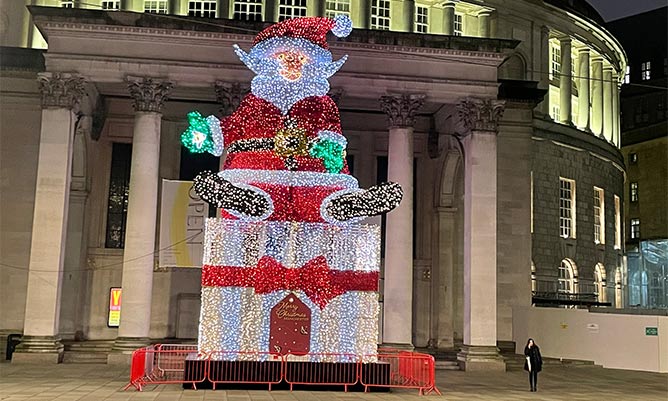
{"x": 644, "y": 107}
{"x": 473, "y": 86}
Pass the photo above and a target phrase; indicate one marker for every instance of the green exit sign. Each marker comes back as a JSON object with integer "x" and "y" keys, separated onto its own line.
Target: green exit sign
{"x": 651, "y": 331}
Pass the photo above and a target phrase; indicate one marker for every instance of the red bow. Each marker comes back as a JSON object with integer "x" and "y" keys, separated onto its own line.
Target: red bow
{"x": 318, "y": 282}
{"x": 314, "y": 278}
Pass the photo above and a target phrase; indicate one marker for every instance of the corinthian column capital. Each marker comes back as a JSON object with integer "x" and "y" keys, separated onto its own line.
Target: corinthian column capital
{"x": 148, "y": 94}
{"x": 60, "y": 89}
{"x": 480, "y": 114}
{"x": 229, "y": 95}
{"x": 401, "y": 109}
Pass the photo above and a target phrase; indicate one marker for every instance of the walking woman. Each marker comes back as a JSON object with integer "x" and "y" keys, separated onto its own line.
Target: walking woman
{"x": 533, "y": 363}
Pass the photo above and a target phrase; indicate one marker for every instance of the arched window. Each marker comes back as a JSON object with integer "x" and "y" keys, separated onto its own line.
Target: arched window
{"x": 568, "y": 277}
{"x": 533, "y": 277}
{"x": 599, "y": 282}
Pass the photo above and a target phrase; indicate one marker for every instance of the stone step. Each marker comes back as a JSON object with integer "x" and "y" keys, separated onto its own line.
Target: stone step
{"x": 446, "y": 365}
{"x": 85, "y": 357}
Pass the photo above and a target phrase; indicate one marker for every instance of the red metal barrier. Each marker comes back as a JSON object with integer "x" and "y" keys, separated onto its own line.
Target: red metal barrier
{"x": 227, "y": 367}
{"x": 137, "y": 368}
{"x": 328, "y": 371}
{"x": 165, "y": 364}
{"x": 407, "y": 370}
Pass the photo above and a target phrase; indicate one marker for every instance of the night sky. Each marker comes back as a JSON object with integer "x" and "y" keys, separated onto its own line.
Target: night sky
{"x": 615, "y": 9}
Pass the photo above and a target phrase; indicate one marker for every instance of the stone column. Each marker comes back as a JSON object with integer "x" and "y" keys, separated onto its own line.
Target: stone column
{"x": 406, "y": 22}
{"x": 148, "y": 97}
{"x": 607, "y": 103}
{"x": 398, "y": 291}
{"x": 319, "y": 8}
{"x": 364, "y": 10}
{"x": 133, "y": 5}
{"x": 583, "y": 89}
{"x": 229, "y": 95}
{"x": 41, "y": 341}
{"x": 449, "y": 17}
{"x": 565, "y": 82}
{"x": 616, "y": 113}
{"x": 544, "y": 78}
{"x": 480, "y": 119}
{"x": 597, "y": 96}
{"x": 174, "y": 7}
{"x": 484, "y": 23}
{"x": 223, "y": 10}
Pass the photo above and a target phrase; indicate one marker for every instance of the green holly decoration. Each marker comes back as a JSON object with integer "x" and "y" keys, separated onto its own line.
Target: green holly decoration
{"x": 197, "y": 138}
{"x": 331, "y": 154}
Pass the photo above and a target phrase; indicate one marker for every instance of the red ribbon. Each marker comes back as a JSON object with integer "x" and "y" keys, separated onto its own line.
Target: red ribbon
{"x": 315, "y": 279}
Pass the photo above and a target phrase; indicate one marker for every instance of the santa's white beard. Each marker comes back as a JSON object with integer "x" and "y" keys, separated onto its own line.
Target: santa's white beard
{"x": 283, "y": 93}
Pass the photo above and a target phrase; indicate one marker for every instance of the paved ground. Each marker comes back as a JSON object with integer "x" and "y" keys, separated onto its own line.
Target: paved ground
{"x": 101, "y": 382}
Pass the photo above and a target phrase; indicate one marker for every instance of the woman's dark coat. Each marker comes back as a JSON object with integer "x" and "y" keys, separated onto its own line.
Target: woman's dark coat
{"x": 534, "y": 356}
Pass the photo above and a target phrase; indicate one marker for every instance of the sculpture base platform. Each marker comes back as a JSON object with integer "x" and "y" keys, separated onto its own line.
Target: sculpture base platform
{"x": 297, "y": 375}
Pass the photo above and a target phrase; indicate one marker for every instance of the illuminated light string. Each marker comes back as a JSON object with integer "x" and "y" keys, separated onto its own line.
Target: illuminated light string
{"x": 236, "y": 318}
{"x": 288, "y": 202}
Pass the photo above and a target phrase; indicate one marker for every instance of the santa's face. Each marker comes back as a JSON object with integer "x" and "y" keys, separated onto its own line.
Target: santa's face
{"x": 291, "y": 63}
{"x": 289, "y": 69}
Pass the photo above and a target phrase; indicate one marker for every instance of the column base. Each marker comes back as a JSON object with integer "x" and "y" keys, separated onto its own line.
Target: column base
{"x": 39, "y": 349}
{"x": 480, "y": 359}
{"x": 398, "y": 346}
{"x": 121, "y": 351}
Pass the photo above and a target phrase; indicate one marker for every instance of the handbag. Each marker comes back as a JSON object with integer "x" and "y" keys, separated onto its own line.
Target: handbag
{"x": 529, "y": 363}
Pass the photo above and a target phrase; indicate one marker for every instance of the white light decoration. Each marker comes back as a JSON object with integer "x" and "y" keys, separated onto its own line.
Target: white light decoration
{"x": 289, "y": 225}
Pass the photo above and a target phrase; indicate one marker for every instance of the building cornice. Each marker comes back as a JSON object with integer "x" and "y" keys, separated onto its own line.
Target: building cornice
{"x": 95, "y": 31}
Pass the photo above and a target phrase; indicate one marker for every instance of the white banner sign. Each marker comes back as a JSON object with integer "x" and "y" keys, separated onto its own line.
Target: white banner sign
{"x": 182, "y": 217}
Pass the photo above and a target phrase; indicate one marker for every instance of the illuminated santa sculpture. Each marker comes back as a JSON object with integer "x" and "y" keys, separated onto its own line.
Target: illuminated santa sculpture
{"x": 288, "y": 267}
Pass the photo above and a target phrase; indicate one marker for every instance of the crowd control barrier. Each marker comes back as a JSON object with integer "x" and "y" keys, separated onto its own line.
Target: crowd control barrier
{"x": 181, "y": 364}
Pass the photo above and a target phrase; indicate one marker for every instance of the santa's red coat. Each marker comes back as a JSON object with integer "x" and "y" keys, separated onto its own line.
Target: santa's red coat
{"x": 257, "y": 118}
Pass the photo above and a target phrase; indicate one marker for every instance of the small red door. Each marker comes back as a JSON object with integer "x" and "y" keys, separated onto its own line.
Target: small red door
{"x": 290, "y": 327}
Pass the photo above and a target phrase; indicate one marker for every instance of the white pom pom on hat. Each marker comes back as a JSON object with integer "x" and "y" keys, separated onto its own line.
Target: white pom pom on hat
{"x": 343, "y": 26}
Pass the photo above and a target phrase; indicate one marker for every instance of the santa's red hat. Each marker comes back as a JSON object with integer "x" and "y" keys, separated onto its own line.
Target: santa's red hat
{"x": 313, "y": 29}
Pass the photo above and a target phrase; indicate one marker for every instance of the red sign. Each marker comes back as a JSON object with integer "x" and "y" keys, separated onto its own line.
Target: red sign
{"x": 114, "y": 307}
{"x": 290, "y": 327}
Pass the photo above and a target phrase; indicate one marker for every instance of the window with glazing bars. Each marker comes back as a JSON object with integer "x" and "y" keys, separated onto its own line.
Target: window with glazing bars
{"x": 555, "y": 112}
{"x": 380, "y": 14}
{"x": 336, "y": 7}
{"x": 599, "y": 216}
{"x": 291, "y": 9}
{"x": 248, "y": 10}
{"x": 111, "y": 5}
{"x": 206, "y": 9}
{"x": 634, "y": 191}
{"x": 67, "y": 3}
{"x": 155, "y": 6}
{"x": 459, "y": 25}
{"x": 117, "y": 201}
{"x": 566, "y": 279}
{"x": 646, "y": 70}
{"x": 635, "y": 228}
{"x": 567, "y": 208}
{"x": 421, "y": 19}
{"x": 555, "y": 63}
